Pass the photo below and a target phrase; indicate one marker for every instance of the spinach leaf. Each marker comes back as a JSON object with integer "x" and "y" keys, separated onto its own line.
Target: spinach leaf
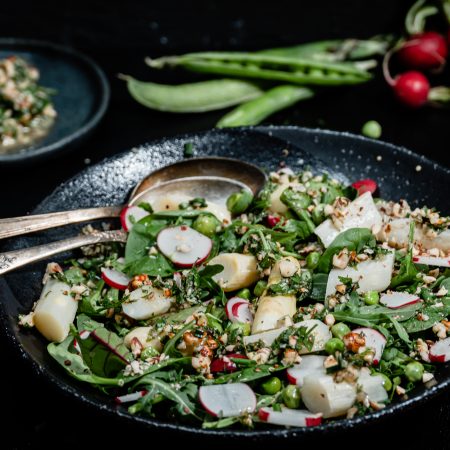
{"x": 228, "y": 240}
{"x": 152, "y": 265}
{"x": 413, "y": 325}
{"x": 299, "y": 229}
{"x": 408, "y": 271}
{"x": 74, "y": 276}
{"x": 354, "y": 239}
{"x": 445, "y": 283}
{"x": 141, "y": 237}
{"x": 91, "y": 304}
{"x": 104, "y": 352}
{"x": 298, "y": 202}
{"x": 319, "y": 286}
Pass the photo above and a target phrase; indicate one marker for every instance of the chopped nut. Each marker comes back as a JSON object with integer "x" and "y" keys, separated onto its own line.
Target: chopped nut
{"x": 288, "y": 268}
{"x": 341, "y": 288}
{"x": 440, "y": 330}
{"x": 354, "y": 341}
{"x": 427, "y": 376}
{"x": 330, "y": 361}
{"x": 400, "y": 391}
{"x": 330, "y": 320}
{"x": 342, "y": 259}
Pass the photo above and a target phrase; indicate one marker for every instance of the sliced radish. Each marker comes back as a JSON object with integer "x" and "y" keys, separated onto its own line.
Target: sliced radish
{"x": 309, "y": 365}
{"x": 224, "y": 363}
{"x": 115, "y": 279}
{"x": 232, "y": 305}
{"x": 227, "y": 400}
{"x": 396, "y": 300}
{"x": 130, "y": 397}
{"x": 366, "y": 185}
{"x": 131, "y": 214}
{"x": 184, "y": 246}
{"x": 243, "y": 313}
{"x": 432, "y": 261}
{"x": 76, "y": 346}
{"x": 84, "y": 334}
{"x": 374, "y": 340}
{"x": 440, "y": 351}
{"x": 290, "y": 417}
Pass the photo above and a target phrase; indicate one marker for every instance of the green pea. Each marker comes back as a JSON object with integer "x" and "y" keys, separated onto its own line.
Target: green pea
{"x": 387, "y": 383}
{"x": 259, "y": 288}
{"x": 312, "y": 260}
{"x": 414, "y": 371}
{"x": 271, "y": 386}
{"x": 244, "y": 293}
{"x": 238, "y": 202}
{"x": 372, "y": 129}
{"x": 149, "y": 352}
{"x": 339, "y": 330}
{"x": 390, "y": 353}
{"x": 291, "y": 396}
{"x": 371, "y": 298}
{"x": 318, "y": 214}
{"x": 206, "y": 224}
{"x": 334, "y": 345}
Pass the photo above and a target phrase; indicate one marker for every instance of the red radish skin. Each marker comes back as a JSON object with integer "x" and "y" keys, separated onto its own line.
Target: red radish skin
{"x": 440, "y": 351}
{"x": 184, "y": 246}
{"x": 131, "y": 211}
{"x": 224, "y": 363}
{"x": 424, "y": 51}
{"x": 232, "y": 305}
{"x": 375, "y": 340}
{"x": 395, "y": 300}
{"x": 115, "y": 279}
{"x": 272, "y": 221}
{"x": 291, "y": 379}
{"x": 412, "y": 89}
{"x": 432, "y": 261}
{"x": 363, "y": 186}
{"x": 130, "y": 397}
{"x": 243, "y": 313}
{"x": 84, "y": 334}
{"x": 289, "y": 417}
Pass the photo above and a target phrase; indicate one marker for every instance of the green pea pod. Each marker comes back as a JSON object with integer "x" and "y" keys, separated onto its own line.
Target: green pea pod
{"x": 267, "y": 67}
{"x": 192, "y": 97}
{"x": 255, "y": 111}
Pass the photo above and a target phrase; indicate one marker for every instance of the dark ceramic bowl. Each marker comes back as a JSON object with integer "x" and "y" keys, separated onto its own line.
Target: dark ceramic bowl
{"x": 81, "y": 100}
{"x": 347, "y": 156}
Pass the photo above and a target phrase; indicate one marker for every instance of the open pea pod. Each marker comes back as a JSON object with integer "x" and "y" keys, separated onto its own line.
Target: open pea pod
{"x": 267, "y": 67}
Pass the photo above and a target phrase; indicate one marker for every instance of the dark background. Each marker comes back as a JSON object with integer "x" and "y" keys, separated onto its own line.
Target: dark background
{"x": 118, "y": 35}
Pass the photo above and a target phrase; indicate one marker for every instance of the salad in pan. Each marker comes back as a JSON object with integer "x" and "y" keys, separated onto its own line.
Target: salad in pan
{"x": 309, "y": 302}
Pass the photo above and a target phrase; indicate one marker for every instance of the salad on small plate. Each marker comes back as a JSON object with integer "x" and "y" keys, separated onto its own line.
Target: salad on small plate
{"x": 309, "y": 302}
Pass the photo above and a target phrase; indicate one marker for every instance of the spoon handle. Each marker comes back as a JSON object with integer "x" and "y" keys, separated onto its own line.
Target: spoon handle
{"x": 28, "y": 224}
{"x": 12, "y": 260}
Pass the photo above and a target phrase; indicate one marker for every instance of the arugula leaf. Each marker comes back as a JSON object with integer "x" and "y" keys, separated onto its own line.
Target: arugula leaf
{"x": 402, "y": 333}
{"x": 152, "y": 265}
{"x": 169, "y": 348}
{"x": 247, "y": 374}
{"x": 91, "y": 304}
{"x": 297, "y": 229}
{"x": 408, "y": 271}
{"x": 158, "y": 386}
{"x": 354, "y": 239}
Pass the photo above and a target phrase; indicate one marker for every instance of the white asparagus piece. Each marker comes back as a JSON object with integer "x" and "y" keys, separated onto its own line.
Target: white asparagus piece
{"x": 360, "y": 213}
{"x": 171, "y": 202}
{"x": 146, "y": 302}
{"x": 142, "y": 335}
{"x": 276, "y": 205}
{"x": 55, "y": 311}
{"x": 321, "y": 394}
{"x": 309, "y": 365}
{"x": 372, "y": 275}
{"x": 239, "y": 271}
{"x": 272, "y": 309}
{"x": 321, "y": 334}
{"x": 396, "y": 233}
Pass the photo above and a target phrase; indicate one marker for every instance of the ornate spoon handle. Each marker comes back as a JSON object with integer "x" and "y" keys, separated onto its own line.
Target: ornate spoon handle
{"x": 12, "y": 260}
{"x": 27, "y": 224}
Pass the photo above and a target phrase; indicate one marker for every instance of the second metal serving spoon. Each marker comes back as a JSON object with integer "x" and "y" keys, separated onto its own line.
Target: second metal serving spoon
{"x": 211, "y": 178}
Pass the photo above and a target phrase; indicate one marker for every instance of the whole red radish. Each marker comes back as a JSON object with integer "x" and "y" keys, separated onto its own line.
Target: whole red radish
{"x": 412, "y": 88}
{"x": 424, "y": 51}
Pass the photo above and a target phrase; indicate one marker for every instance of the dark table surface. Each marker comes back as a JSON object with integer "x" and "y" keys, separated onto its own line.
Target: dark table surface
{"x": 118, "y": 35}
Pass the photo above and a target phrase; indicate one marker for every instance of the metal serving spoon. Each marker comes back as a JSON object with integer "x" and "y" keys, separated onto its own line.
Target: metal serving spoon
{"x": 214, "y": 179}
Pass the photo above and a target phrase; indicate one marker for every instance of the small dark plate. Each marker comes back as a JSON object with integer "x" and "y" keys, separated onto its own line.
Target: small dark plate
{"x": 81, "y": 100}
{"x": 346, "y": 156}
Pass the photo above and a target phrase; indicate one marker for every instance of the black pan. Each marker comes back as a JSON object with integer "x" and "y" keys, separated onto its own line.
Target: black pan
{"x": 400, "y": 173}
